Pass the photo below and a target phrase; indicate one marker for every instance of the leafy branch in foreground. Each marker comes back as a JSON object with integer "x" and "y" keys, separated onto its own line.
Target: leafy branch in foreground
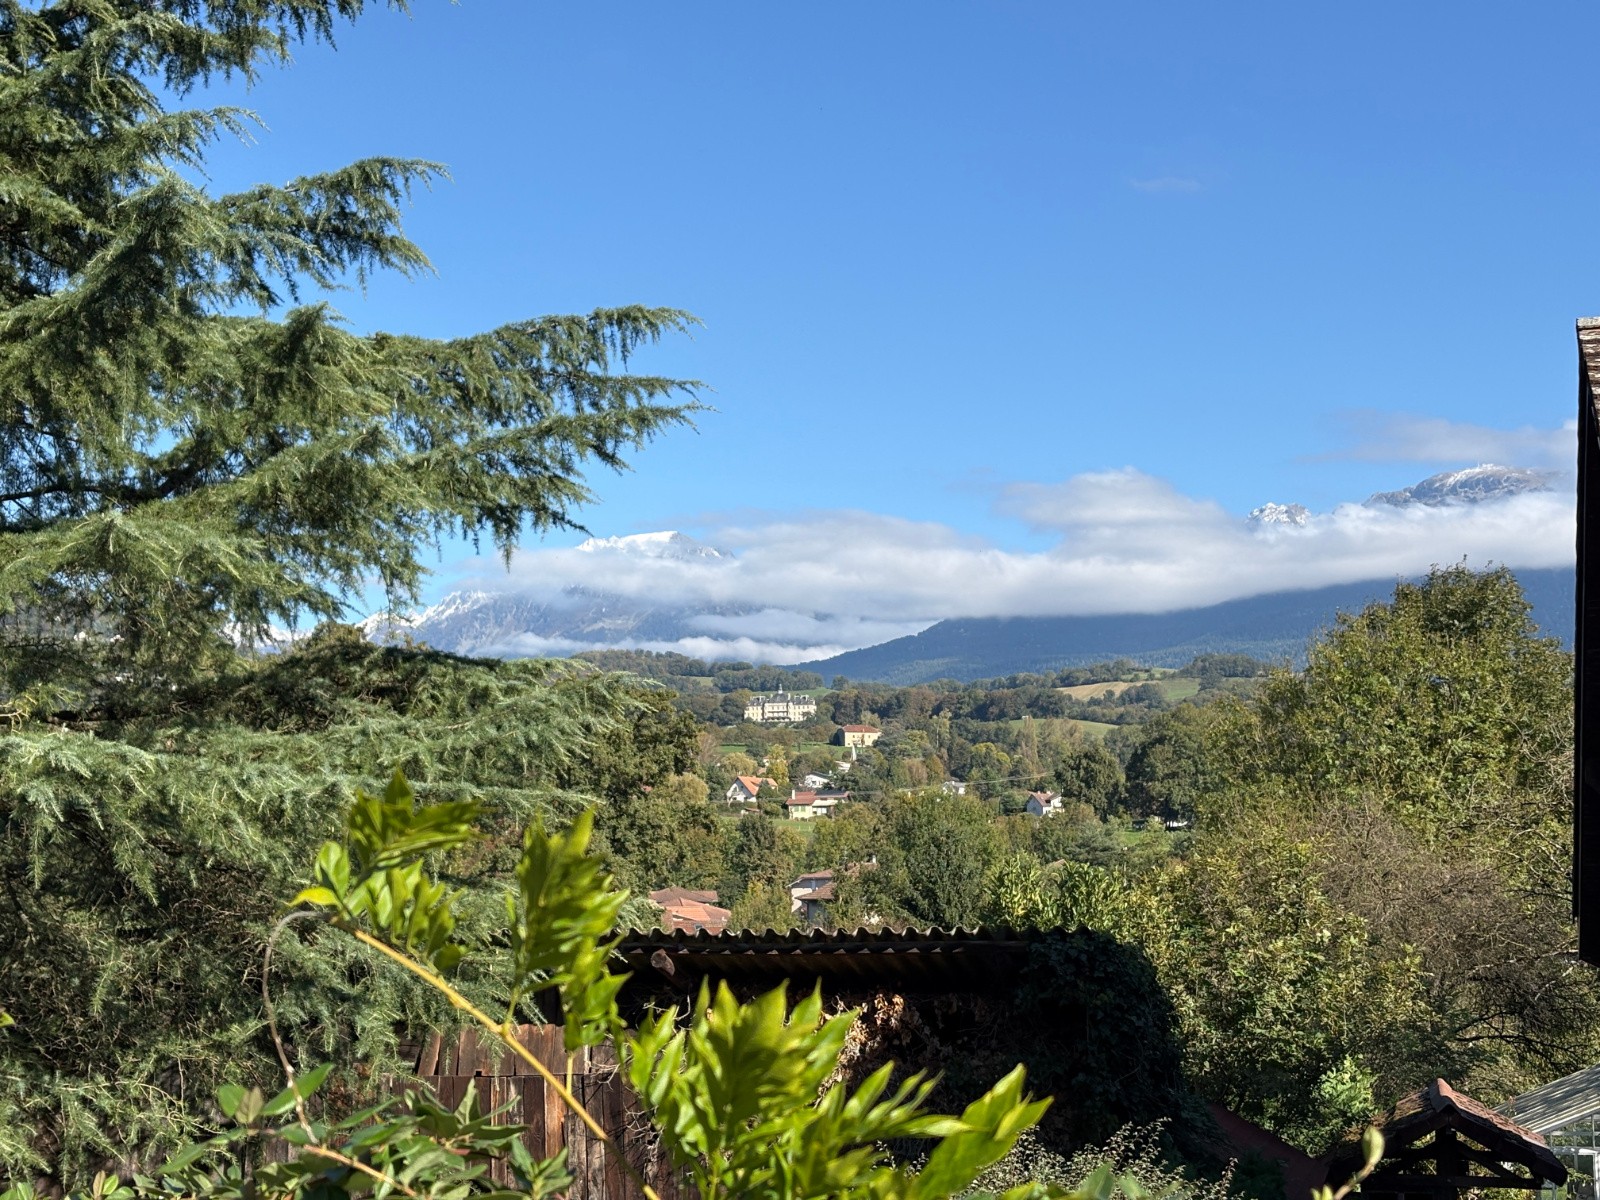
{"x": 745, "y": 1096}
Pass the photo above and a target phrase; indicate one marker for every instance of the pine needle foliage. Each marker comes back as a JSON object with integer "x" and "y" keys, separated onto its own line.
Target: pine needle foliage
{"x": 191, "y": 439}
{"x": 196, "y": 450}
{"x": 129, "y": 846}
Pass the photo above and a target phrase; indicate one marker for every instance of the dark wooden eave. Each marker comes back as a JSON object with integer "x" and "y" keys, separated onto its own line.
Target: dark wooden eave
{"x": 1586, "y": 647}
{"x": 905, "y": 960}
{"x": 1438, "y": 1141}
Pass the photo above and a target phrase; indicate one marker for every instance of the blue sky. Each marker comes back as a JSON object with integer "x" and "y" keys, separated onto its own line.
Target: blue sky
{"x": 1252, "y": 252}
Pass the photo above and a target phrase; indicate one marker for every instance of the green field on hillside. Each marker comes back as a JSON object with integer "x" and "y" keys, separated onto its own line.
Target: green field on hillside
{"x": 1178, "y": 687}
{"x": 1092, "y": 729}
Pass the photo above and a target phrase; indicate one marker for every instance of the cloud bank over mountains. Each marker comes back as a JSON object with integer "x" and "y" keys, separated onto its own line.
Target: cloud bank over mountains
{"x": 798, "y": 586}
{"x": 1374, "y": 436}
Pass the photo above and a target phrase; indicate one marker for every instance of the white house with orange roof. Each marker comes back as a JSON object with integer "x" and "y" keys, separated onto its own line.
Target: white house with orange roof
{"x": 744, "y": 788}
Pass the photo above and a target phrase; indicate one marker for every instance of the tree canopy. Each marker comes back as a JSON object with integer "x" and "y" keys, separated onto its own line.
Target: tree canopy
{"x": 196, "y": 450}
{"x": 194, "y": 444}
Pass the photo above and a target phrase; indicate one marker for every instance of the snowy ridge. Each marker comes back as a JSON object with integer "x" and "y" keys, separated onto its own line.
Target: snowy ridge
{"x": 1471, "y": 485}
{"x": 1280, "y": 514}
{"x": 668, "y": 543}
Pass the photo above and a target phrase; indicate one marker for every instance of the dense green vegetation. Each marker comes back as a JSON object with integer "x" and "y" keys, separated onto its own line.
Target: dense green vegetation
{"x": 1373, "y": 889}
{"x": 193, "y": 448}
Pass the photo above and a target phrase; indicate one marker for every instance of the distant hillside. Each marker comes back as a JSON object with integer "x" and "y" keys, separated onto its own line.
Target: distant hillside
{"x": 1276, "y": 626}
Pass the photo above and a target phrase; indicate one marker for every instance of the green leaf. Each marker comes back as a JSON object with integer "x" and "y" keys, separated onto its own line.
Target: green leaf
{"x": 304, "y": 1085}
{"x": 249, "y": 1106}
{"x": 186, "y": 1155}
{"x": 228, "y": 1097}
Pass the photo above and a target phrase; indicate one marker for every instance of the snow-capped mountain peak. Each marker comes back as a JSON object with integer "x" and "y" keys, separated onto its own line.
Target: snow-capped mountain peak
{"x": 1280, "y": 514}
{"x": 1470, "y": 485}
{"x": 667, "y": 543}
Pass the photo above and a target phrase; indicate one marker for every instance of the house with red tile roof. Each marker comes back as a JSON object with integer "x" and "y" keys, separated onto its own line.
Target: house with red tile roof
{"x": 690, "y": 909}
{"x": 743, "y": 789}
{"x": 1044, "y": 804}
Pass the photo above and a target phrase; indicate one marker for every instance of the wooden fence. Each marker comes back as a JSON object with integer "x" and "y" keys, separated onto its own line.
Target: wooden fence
{"x": 500, "y": 1079}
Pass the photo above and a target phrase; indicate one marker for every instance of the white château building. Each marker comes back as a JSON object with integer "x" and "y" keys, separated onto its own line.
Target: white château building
{"x": 780, "y": 708}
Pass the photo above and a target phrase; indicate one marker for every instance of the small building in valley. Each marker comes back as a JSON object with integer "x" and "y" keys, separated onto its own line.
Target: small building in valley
{"x": 804, "y": 806}
{"x": 691, "y": 910}
{"x": 807, "y": 888}
{"x": 744, "y": 788}
{"x": 1044, "y": 804}
{"x": 856, "y": 735}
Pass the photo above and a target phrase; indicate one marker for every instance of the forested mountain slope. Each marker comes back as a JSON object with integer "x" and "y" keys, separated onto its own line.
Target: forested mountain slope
{"x": 1275, "y": 626}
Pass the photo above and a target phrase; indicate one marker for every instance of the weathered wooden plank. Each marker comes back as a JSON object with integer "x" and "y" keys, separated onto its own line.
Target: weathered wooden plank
{"x": 613, "y": 1119}
{"x": 555, "y": 1121}
{"x": 428, "y": 1063}
{"x": 445, "y": 1089}
{"x": 595, "y": 1167}
{"x": 552, "y": 1050}
{"x": 577, "y": 1142}
{"x": 467, "y": 1052}
{"x": 532, "y": 1113}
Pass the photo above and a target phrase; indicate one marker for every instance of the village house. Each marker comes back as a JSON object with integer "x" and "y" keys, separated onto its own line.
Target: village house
{"x": 856, "y": 735}
{"x": 781, "y": 708}
{"x": 743, "y": 789}
{"x": 810, "y": 896}
{"x": 953, "y": 787}
{"x": 804, "y": 806}
{"x": 1044, "y": 804}
{"x": 691, "y": 909}
{"x": 813, "y": 781}
{"x": 805, "y": 885}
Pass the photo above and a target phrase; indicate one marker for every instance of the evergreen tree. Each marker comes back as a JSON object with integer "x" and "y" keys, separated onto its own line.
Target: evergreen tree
{"x": 195, "y": 449}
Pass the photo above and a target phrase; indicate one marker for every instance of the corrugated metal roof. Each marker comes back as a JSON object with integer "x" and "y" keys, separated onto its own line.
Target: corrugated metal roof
{"x": 1554, "y": 1106}
{"x": 906, "y": 959}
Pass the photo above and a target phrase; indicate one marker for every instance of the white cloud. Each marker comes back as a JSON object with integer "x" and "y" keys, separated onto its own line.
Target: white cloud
{"x": 1405, "y": 437}
{"x": 803, "y": 586}
{"x": 528, "y": 645}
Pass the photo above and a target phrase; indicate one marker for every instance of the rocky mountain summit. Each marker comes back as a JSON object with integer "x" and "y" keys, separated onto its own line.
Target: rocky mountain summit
{"x": 1280, "y": 514}
{"x": 1471, "y": 485}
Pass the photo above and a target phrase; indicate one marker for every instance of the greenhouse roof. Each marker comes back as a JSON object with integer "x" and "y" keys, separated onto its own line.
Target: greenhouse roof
{"x": 1554, "y": 1106}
